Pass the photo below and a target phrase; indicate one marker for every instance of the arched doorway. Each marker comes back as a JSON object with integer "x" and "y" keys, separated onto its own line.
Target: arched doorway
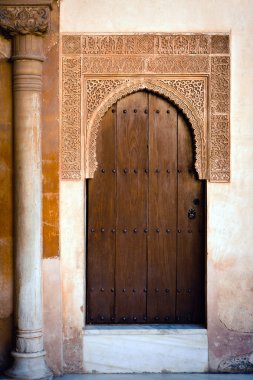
{"x": 146, "y": 218}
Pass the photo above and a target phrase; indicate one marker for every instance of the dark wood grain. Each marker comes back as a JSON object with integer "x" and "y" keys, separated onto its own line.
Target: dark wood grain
{"x": 162, "y": 211}
{"x": 101, "y": 222}
{"x": 146, "y": 257}
{"x": 191, "y": 233}
{"x": 132, "y": 193}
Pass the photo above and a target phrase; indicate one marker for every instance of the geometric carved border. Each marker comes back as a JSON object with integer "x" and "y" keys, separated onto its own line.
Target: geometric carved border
{"x": 98, "y": 70}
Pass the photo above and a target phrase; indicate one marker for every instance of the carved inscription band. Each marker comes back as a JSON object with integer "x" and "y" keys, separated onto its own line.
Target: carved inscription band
{"x": 99, "y": 69}
{"x": 142, "y": 44}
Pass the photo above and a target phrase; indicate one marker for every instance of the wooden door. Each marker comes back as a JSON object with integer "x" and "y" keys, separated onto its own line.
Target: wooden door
{"x": 146, "y": 218}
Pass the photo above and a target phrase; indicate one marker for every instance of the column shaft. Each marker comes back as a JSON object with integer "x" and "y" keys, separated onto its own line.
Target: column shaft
{"x": 29, "y": 362}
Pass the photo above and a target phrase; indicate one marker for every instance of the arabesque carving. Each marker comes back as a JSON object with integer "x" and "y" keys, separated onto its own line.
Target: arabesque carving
{"x": 157, "y": 87}
{"x": 24, "y": 20}
{"x": 220, "y": 84}
{"x": 219, "y": 142}
{"x": 219, "y": 149}
{"x": 112, "y": 64}
{"x": 97, "y": 90}
{"x": 71, "y": 119}
{"x": 193, "y": 89}
{"x": 140, "y": 65}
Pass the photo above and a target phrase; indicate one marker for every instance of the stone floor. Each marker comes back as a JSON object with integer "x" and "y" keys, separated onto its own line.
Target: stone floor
{"x": 158, "y": 377}
{"x": 165, "y": 376}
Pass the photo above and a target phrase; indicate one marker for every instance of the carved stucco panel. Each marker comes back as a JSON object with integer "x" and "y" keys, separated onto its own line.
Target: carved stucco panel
{"x": 97, "y": 90}
{"x": 193, "y": 90}
{"x": 167, "y": 91}
{"x": 219, "y": 140}
{"x": 71, "y": 119}
{"x": 187, "y": 94}
{"x": 220, "y": 44}
{"x": 146, "y": 65}
{"x": 123, "y": 60}
{"x": 219, "y": 149}
{"x": 143, "y": 44}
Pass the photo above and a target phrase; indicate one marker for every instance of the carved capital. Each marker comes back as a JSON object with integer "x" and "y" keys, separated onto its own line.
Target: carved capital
{"x": 24, "y": 19}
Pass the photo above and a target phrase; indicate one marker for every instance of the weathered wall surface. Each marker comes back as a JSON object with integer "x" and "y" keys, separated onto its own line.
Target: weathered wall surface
{"x": 72, "y": 271}
{"x": 50, "y": 138}
{"x": 50, "y": 196}
{"x": 6, "y": 238}
{"x": 230, "y": 206}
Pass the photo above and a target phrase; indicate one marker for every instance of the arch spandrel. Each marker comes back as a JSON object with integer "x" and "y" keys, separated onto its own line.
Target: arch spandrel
{"x": 198, "y": 126}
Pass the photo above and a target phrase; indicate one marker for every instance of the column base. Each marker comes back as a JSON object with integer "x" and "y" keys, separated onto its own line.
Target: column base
{"x": 29, "y": 366}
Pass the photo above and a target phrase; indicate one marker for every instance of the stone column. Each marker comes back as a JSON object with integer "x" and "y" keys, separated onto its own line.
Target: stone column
{"x": 26, "y": 24}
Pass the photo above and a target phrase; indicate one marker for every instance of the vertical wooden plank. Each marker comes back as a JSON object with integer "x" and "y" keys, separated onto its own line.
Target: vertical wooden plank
{"x": 162, "y": 211}
{"x": 101, "y": 226}
{"x": 132, "y": 190}
{"x": 191, "y": 233}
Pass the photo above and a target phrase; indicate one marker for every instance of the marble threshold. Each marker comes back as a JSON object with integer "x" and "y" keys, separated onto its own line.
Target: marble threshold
{"x": 145, "y": 348}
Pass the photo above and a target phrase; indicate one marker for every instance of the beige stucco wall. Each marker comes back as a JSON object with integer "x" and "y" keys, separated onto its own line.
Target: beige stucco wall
{"x": 230, "y": 206}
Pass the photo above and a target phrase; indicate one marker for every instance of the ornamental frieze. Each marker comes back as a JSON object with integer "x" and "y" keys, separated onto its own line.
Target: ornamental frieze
{"x": 191, "y": 70}
{"x": 142, "y": 44}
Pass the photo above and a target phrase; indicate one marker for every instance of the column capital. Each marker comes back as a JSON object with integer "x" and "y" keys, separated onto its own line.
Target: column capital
{"x": 21, "y": 17}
